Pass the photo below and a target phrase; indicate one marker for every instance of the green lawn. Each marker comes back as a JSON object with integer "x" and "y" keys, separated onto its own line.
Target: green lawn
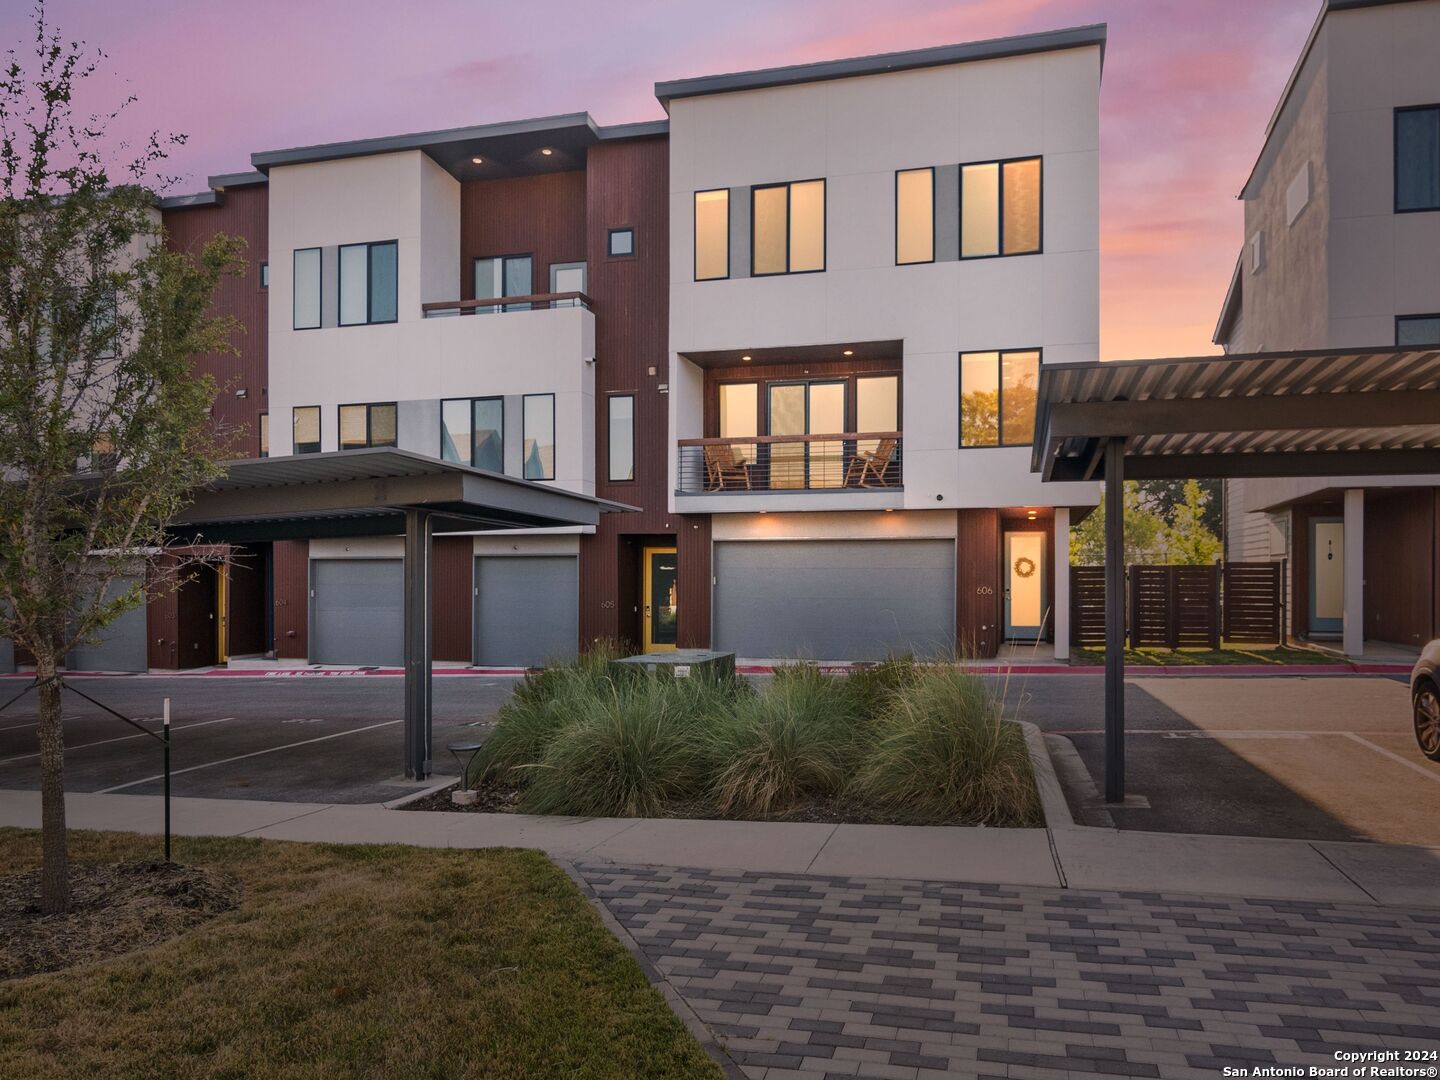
{"x": 352, "y": 962}
{"x": 1226, "y": 654}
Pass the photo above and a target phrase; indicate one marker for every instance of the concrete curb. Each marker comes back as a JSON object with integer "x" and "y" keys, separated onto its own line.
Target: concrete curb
{"x": 440, "y": 784}
{"x": 673, "y": 998}
{"x": 1047, "y": 782}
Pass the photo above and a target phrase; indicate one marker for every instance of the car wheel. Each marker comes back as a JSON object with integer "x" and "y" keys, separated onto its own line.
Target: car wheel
{"x": 1427, "y": 720}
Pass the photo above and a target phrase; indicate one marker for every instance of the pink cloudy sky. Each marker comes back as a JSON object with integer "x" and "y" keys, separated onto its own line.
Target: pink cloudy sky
{"x": 1188, "y": 87}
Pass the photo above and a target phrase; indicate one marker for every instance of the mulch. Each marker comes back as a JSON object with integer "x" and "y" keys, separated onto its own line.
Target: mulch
{"x": 114, "y": 909}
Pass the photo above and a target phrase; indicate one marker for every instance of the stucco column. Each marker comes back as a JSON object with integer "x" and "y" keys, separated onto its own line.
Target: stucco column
{"x": 1060, "y": 591}
{"x": 1354, "y": 634}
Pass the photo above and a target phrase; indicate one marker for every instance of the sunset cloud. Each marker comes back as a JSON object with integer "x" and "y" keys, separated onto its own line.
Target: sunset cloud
{"x": 1187, "y": 91}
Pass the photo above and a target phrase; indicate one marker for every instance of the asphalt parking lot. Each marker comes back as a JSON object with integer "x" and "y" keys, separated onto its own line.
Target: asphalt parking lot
{"x": 1305, "y": 757}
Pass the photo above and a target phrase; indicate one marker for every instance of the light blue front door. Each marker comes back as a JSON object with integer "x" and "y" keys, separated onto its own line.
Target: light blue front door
{"x": 1327, "y": 576}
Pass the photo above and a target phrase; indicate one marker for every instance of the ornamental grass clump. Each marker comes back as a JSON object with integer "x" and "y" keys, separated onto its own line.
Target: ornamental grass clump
{"x": 630, "y": 748}
{"x": 800, "y": 735}
{"x": 944, "y": 753}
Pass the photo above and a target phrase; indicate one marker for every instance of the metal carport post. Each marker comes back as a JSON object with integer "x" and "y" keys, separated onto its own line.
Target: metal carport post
{"x": 419, "y": 643}
{"x": 1115, "y": 620}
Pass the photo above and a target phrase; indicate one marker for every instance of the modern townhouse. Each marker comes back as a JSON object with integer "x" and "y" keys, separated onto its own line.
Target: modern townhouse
{"x": 1342, "y": 250}
{"x": 797, "y": 326}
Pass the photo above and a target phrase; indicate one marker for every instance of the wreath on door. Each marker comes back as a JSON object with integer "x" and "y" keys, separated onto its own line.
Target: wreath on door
{"x": 1024, "y": 566}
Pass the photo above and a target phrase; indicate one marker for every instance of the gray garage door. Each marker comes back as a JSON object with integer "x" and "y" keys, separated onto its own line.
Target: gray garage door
{"x": 357, "y": 615}
{"x": 527, "y": 610}
{"x": 835, "y": 599}
{"x": 120, "y": 646}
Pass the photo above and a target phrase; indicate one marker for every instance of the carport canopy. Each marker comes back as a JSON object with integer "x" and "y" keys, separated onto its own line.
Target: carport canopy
{"x": 1373, "y": 412}
{"x": 380, "y": 492}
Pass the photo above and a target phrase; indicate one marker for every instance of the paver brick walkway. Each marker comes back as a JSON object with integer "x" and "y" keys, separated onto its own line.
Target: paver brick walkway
{"x": 802, "y": 976}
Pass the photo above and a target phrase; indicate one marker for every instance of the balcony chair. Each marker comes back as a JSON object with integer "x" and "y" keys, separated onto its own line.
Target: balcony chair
{"x": 872, "y": 466}
{"x": 723, "y": 470}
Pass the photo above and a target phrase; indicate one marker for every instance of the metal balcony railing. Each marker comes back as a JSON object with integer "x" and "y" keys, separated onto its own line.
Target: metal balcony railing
{"x": 440, "y": 309}
{"x": 852, "y": 461}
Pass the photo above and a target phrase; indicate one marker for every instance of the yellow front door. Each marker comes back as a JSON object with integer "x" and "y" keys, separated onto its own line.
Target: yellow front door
{"x": 222, "y": 613}
{"x": 661, "y": 581}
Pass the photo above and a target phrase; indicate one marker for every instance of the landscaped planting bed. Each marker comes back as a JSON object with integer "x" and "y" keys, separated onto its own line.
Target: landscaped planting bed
{"x": 901, "y": 742}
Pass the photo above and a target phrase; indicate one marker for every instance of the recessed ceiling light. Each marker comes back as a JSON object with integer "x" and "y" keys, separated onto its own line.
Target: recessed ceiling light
{"x": 747, "y": 356}
{"x": 1031, "y": 515}
{"x": 849, "y": 352}
{"x": 547, "y": 151}
{"x": 477, "y": 161}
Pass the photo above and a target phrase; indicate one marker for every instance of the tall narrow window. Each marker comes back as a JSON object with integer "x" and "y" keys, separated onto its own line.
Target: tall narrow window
{"x": 740, "y": 417}
{"x": 787, "y": 228}
{"x": 367, "y": 425}
{"x": 305, "y": 420}
{"x": 1417, "y": 330}
{"x": 368, "y": 283}
{"x": 1417, "y": 158}
{"x": 472, "y": 432}
{"x": 915, "y": 216}
{"x": 1000, "y": 208}
{"x": 504, "y": 275}
{"x": 306, "y": 314}
{"x": 264, "y": 275}
{"x": 264, "y": 424}
{"x": 877, "y": 407}
{"x": 712, "y": 234}
{"x": 538, "y": 430}
{"x": 622, "y": 437}
{"x": 997, "y": 397}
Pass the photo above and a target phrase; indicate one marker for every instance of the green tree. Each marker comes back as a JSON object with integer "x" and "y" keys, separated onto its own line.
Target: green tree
{"x": 104, "y": 430}
{"x": 1144, "y": 533}
{"x": 1166, "y": 495}
{"x": 1188, "y": 536}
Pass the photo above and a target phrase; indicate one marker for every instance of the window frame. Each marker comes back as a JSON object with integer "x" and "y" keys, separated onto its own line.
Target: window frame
{"x": 1413, "y": 318}
{"x": 788, "y": 185}
{"x": 695, "y": 234}
{"x": 319, "y": 429}
{"x": 934, "y": 207}
{"x": 1395, "y": 159}
{"x": 262, "y": 433}
{"x": 499, "y": 306}
{"x": 1000, "y": 354}
{"x": 1000, "y": 252}
{"x": 369, "y": 246}
{"x": 319, "y": 288}
{"x": 610, "y": 242}
{"x": 471, "y": 402}
{"x": 265, "y": 276}
{"x": 610, "y": 400}
{"x": 554, "y": 435}
{"x": 369, "y": 407}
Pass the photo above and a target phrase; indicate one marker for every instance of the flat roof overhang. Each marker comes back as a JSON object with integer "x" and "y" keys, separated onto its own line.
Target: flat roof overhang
{"x": 1311, "y": 413}
{"x": 367, "y": 493}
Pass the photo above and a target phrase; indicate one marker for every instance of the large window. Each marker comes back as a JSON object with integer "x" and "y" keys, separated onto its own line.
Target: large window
{"x": 305, "y": 427}
{"x": 1417, "y": 330}
{"x": 1417, "y": 159}
{"x": 472, "y": 432}
{"x": 306, "y": 314}
{"x": 504, "y": 275}
{"x": 740, "y": 416}
{"x": 1000, "y": 208}
{"x": 997, "y": 397}
{"x": 787, "y": 228}
{"x": 367, "y": 425}
{"x": 915, "y": 216}
{"x": 621, "y": 437}
{"x": 712, "y": 234}
{"x": 369, "y": 275}
{"x": 538, "y": 429}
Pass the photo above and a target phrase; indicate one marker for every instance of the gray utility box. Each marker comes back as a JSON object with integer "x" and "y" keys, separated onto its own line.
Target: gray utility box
{"x": 680, "y": 664}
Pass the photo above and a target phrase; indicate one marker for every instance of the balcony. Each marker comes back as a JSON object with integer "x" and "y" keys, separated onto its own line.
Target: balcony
{"x": 441, "y": 309}
{"x": 842, "y": 470}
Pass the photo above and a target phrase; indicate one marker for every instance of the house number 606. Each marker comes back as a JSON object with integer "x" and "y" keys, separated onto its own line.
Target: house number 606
{"x": 984, "y": 590}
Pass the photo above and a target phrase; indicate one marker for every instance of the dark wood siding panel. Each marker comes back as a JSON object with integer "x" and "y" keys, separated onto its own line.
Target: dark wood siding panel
{"x": 627, "y": 185}
{"x": 541, "y": 216}
{"x": 452, "y": 572}
{"x": 245, "y": 626}
{"x": 243, "y": 213}
{"x": 292, "y": 599}
{"x": 1300, "y": 571}
{"x": 1400, "y": 566}
{"x": 161, "y": 620}
{"x": 977, "y": 582}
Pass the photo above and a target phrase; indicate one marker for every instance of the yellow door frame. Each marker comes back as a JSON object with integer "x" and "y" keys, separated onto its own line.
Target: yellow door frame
{"x": 222, "y": 613}
{"x": 647, "y": 599}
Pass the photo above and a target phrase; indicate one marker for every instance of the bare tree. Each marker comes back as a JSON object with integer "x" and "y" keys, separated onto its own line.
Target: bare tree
{"x": 104, "y": 428}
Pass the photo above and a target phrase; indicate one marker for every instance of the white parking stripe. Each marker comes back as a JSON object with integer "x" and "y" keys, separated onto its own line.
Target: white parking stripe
{"x": 118, "y": 738}
{"x": 1428, "y": 773}
{"x": 242, "y": 757}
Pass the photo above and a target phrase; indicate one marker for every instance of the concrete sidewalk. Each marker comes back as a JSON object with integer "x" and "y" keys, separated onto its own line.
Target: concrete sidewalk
{"x": 1068, "y": 856}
